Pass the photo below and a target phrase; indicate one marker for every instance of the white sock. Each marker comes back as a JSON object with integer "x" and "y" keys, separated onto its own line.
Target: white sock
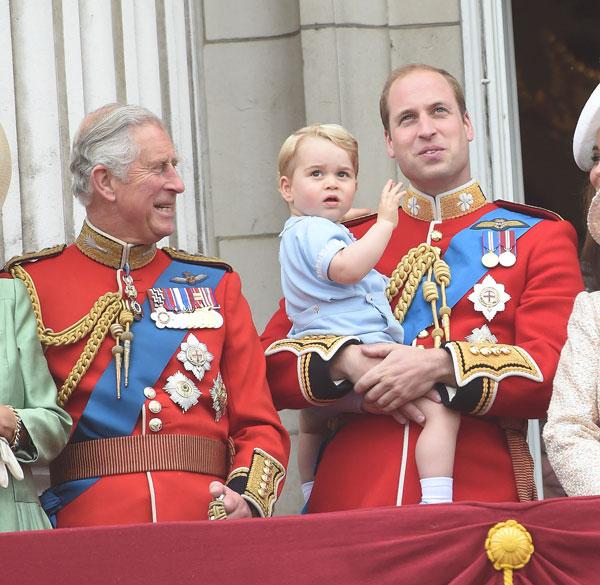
{"x": 436, "y": 490}
{"x": 307, "y": 489}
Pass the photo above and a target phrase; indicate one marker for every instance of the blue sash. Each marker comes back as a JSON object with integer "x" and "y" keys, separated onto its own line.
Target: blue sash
{"x": 104, "y": 416}
{"x": 463, "y": 256}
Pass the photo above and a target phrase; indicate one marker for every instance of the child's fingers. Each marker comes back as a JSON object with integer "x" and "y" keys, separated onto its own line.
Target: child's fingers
{"x": 397, "y": 188}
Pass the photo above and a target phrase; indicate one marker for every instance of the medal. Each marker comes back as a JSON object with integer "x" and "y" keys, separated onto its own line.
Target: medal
{"x": 184, "y": 308}
{"x": 482, "y": 335}
{"x": 195, "y": 356}
{"x": 489, "y": 257}
{"x": 508, "y": 249}
{"x": 219, "y": 396}
{"x": 182, "y": 391}
{"x": 489, "y": 297}
{"x": 490, "y": 260}
{"x": 507, "y": 259}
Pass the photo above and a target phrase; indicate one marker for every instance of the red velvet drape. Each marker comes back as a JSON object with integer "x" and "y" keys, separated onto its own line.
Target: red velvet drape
{"x": 420, "y": 545}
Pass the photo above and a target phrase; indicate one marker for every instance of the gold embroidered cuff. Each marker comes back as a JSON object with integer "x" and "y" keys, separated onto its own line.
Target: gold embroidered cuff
{"x": 263, "y": 479}
{"x": 491, "y": 360}
{"x": 314, "y": 353}
{"x": 489, "y": 389}
{"x": 325, "y": 345}
{"x": 475, "y": 398}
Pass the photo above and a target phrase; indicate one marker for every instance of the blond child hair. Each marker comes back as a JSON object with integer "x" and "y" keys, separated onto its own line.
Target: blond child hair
{"x": 332, "y": 132}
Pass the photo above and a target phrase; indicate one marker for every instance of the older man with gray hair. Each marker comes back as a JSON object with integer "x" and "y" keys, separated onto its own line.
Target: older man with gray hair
{"x": 153, "y": 350}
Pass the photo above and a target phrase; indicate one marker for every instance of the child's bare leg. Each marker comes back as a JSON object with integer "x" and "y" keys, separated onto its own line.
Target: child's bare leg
{"x": 312, "y": 433}
{"x": 435, "y": 450}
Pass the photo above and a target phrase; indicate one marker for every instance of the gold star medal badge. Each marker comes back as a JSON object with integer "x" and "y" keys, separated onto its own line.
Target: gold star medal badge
{"x": 219, "y": 395}
{"x": 182, "y": 391}
{"x": 489, "y": 297}
{"x": 195, "y": 356}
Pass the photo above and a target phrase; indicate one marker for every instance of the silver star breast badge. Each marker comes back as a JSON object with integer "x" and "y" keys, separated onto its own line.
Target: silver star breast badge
{"x": 489, "y": 297}
{"x": 482, "y": 335}
{"x": 195, "y": 356}
{"x": 182, "y": 391}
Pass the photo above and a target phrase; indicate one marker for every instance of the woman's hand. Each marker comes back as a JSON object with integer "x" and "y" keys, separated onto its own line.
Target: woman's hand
{"x": 8, "y": 463}
{"x": 8, "y": 423}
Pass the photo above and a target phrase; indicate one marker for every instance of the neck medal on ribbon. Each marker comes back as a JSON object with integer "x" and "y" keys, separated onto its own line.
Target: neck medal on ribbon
{"x": 184, "y": 308}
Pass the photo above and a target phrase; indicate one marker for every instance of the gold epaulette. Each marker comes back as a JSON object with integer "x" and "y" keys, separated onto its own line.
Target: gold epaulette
{"x": 33, "y": 256}
{"x": 531, "y": 210}
{"x": 196, "y": 258}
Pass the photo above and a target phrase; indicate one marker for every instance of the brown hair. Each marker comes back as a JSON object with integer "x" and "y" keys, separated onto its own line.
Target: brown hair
{"x": 403, "y": 71}
{"x": 332, "y": 132}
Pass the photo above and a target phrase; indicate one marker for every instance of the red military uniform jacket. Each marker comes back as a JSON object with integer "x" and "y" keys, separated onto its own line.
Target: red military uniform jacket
{"x": 370, "y": 460}
{"x": 204, "y": 413}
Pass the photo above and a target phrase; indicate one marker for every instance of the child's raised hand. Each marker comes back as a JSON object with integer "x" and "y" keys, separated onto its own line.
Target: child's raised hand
{"x": 389, "y": 202}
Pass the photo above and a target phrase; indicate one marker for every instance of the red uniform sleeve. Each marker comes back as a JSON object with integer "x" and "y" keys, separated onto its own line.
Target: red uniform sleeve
{"x": 553, "y": 280}
{"x": 522, "y": 370}
{"x": 256, "y": 433}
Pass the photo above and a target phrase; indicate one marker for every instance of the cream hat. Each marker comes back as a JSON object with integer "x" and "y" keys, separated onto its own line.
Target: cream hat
{"x": 584, "y": 140}
{"x": 586, "y": 131}
{"x": 5, "y": 166}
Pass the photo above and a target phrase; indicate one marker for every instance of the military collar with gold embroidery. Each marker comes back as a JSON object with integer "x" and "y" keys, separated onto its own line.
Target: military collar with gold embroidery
{"x": 110, "y": 251}
{"x": 448, "y": 205}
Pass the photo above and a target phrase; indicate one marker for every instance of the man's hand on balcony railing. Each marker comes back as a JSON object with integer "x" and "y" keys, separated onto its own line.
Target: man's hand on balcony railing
{"x": 235, "y": 506}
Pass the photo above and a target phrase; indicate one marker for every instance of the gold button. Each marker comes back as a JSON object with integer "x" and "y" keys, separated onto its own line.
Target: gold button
{"x": 155, "y": 425}
{"x": 474, "y": 350}
{"x": 154, "y": 406}
{"x": 261, "y": 492}
{"x": 436, "y": 235}
{"x": 268, "y": 463}
{"x": 485, "y": 351}
{"x": 149, "y": 392}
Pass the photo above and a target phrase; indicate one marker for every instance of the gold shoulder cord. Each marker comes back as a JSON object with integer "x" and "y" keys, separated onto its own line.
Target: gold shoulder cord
{"x": 102, "y": 314}
{"x": 423, "y": 261}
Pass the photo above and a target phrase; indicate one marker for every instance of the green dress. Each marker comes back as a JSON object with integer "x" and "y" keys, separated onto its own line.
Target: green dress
{"x": 26, "y": 384}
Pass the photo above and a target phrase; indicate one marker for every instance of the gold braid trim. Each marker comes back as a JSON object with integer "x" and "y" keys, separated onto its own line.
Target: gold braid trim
{"x": 89, "y": 352}
{"x": 408, "y": 275}
{"x": 196, "y": 258}
{"x": 73, "y": 333}
{"x": 98, "y": 321}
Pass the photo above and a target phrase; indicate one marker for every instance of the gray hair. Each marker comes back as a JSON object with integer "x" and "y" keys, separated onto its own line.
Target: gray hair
{"x": 104, "y": 138}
